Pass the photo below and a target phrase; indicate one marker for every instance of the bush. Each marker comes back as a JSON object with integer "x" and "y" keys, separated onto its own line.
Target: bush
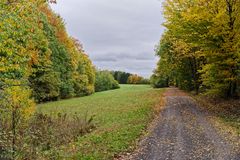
{"x": 159, "y": 82}
{"x": 43, "y": 136}
{"x": 15, "y": 111}
{"x": 105, "y": 81}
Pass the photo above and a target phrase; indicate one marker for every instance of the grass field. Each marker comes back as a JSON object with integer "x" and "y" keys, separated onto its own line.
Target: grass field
{"x": 120, "y": 115}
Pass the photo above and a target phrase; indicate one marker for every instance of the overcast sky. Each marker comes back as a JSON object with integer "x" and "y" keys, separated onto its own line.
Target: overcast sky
{"x": 116, "y": 34}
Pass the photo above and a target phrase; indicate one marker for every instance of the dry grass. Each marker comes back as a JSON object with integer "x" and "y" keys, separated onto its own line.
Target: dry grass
{"x": 228, "y": 111}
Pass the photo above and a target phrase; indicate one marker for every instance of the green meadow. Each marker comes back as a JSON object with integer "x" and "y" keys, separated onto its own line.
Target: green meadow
{"x": 120, "y": 116}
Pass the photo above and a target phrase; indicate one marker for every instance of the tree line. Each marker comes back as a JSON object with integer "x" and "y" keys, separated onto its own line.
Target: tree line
{"x": 38, "y": 55}
{"x": 39, "y": 62}
{"x": 129, "y": 78}
{"x": 200, "y": 47}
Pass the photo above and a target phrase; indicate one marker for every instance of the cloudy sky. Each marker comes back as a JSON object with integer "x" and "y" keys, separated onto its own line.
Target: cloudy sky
{"x": 116, "y": 34}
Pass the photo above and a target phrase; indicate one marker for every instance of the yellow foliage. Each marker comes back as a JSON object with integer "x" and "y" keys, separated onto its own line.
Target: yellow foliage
{"x": 17, "y": 98}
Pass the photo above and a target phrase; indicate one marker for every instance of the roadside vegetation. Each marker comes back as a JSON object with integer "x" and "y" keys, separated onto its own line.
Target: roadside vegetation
{"x": 199, "y": 52}
{"x": 227, "y": 111}
{"x": 42, "y": 136}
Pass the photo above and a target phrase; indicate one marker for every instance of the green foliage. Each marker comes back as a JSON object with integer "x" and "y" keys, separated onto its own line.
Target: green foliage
{"x": 40, "y": 53}
{"x": 61, "y": 66}
{"x": 21, "y": 42}
{"x": 128, "y": 78}
{"x": 37, "y": 60}
{"x": 159, "y": 81}
{"x": 85, "y": 76}
{"x": 73, "y": 67}
{"x": 200, "y": 48}
{"x": 46, "y": 86}
{"x": 120, "y": 76}
{"x": 105, "y": 81}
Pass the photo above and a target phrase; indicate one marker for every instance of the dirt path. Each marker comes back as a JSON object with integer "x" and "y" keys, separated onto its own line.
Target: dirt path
{"x": 183, "y": 132}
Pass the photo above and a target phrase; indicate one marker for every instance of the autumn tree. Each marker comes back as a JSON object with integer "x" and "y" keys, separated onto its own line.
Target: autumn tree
{"x": 38, "y": 61}
{"x": 204, "y": 38}
{"x": 73, "y": 70}
{"x": 136, "y": 79}
{"x": 21, "y": 35}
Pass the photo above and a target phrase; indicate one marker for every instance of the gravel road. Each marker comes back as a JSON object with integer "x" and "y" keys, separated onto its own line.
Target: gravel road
{"x": 183, "y": 132}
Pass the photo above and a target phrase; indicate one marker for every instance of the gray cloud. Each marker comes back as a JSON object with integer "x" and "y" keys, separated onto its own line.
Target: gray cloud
{"x": 113, "y": 56}
{"x": 118, "y": 35}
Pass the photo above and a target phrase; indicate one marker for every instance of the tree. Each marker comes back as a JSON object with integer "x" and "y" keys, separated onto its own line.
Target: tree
{"x": 105, "y": 81}
{"x": 204, "y": 45}
{"x": 21, "y": 43}
{"x": 37, "y": 60}
{"x": 75, "y": 70}
{"x": 120, "y": 76}
{"x": 134, "y": 79}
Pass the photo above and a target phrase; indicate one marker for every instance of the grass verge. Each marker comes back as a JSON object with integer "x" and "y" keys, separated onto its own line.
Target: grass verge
{"x": 121, "y": 117}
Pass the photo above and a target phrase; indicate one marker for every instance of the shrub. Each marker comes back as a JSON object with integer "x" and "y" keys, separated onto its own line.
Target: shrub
{"x": 159, "y": 81}
{"x": 105, "y": 81}
{"x": 15, "y": 111}
{"x": 42, "y": 137}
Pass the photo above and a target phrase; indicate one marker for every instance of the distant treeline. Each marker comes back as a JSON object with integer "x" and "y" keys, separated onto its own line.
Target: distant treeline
{"x": 200, "y": 47}
{"x": 107, "y": 80}
{"x": 128, "y": 78}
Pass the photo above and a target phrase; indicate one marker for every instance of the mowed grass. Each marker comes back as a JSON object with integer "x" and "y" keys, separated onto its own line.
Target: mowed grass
{"x": 120, "y": 115}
